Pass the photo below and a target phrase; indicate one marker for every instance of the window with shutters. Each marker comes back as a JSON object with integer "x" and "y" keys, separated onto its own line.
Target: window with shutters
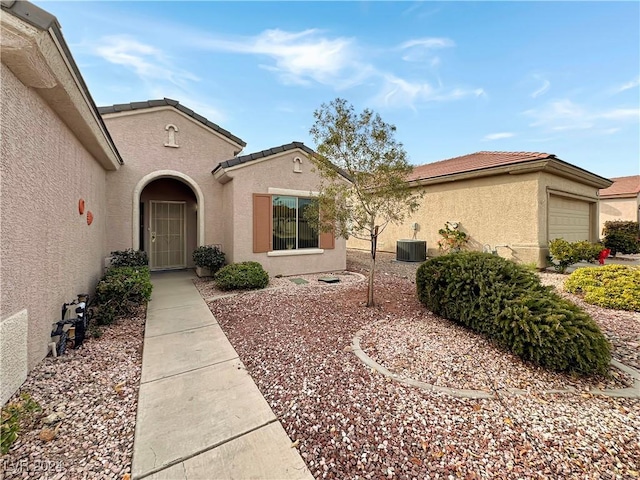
{"x": 279, "y": 225}
{"x": 290, "y": 228}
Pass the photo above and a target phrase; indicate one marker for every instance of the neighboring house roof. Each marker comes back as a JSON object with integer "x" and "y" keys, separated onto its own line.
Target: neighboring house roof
{"x": 622, "y": 187}
{"x": 262, "y": 154}
{"x": 488, "y": 163}
{"x": 474, "y": 161}
{"x": 168, "y": 102}
{"x": 23, "y": 63}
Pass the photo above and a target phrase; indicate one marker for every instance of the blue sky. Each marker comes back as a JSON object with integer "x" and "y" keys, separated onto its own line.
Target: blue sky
{"x": 454, "y": 77}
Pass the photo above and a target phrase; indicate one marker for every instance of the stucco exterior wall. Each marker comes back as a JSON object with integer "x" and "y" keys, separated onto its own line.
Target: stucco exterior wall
{"x": 49, "y": 253}
{"x": 258, "y": 177}
{"x": 499, "y": 210}
{"x": 141, "y": 137}
{"x": 618, "y": 209}
{"x": 228, "y": 221}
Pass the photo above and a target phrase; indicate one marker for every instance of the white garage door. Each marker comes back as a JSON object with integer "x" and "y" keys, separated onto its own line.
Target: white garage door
{"x": 568, "y": 219}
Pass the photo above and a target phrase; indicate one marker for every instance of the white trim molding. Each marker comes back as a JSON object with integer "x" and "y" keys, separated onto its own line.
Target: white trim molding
{"x": 146, "y": 180}
{"x": 292, "y": 193}
{"x": 301, "y": 251}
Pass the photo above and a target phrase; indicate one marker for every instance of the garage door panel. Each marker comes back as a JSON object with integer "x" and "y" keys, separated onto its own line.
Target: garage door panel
{"x": 569, "y": 219}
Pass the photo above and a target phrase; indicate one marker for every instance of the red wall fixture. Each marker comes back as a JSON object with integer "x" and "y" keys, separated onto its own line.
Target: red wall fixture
{"x": 89, "y": 217}
{"x": 81, "y": 206}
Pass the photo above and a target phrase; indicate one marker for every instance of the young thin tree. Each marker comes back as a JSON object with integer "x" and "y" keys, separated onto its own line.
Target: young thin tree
{"x": 361, "y": 147}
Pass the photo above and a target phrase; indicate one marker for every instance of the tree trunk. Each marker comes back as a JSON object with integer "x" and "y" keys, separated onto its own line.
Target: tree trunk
{"x": 372, "y": 269}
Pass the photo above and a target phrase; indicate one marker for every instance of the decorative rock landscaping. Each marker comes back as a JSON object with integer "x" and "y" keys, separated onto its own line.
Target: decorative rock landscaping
{"x": 349, "y": 421}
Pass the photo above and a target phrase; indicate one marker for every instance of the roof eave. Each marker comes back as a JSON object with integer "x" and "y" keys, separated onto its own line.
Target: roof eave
{"x": 620, "y": 195}
{"x": 29, "y": 34}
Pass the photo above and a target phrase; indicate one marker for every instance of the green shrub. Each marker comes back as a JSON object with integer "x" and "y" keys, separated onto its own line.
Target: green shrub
{"x": 15, "y": 415}
{"x": 120, "y": 290}
{"x": 209, "y": 256}
{"x": 622, "y": 237}
{"x": 129, "y": 258}
{"x": 611, "y": 286}
{"x": 563, "y": 254}
{"x": 241, "y": 276}
{"x": 507, "y": 303}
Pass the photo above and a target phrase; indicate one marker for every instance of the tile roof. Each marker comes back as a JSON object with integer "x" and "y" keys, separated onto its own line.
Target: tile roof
{"x": 474, "y": 161}
{"x": 622, "y": 186}
{"x": 126, "y": 107}
{"x": 264, "y": 153}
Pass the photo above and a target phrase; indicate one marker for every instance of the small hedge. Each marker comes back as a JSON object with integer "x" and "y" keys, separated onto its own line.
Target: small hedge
{"x": 610, "y": 286}
{"x": 563, "y": 254}
{"x": 129, "y": 258}
{"x": 508, "y": 304}
{"x": 622, "y": 237}
{"x": 120, "y": 290}
{"x": 209, "y": 256}
{"x": 241, "y": 276}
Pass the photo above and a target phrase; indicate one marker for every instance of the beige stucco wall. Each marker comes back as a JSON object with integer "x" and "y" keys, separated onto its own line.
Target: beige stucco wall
{"x": 619, "y": 209}
{"x": 491, "y": 210}
{"x": 507, "y": 209}
{"x": 48, "y": 252}
{"x": 140, "y": 138}
{"x": 258, "y": 177}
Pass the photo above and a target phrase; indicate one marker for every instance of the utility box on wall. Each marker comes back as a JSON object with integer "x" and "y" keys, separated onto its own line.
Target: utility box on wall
{"x": 411, "y": 250}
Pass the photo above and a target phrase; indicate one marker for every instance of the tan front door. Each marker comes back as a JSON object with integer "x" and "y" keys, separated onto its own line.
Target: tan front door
{"x": 167, "y": 239}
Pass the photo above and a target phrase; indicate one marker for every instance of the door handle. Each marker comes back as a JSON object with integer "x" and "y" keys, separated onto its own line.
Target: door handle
{"x": 153, "y": 237}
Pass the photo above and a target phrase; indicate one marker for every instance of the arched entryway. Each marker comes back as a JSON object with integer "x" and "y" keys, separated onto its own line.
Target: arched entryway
{"x": 167, "y": 220}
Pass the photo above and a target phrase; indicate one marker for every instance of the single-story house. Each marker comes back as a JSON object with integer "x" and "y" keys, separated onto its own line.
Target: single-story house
{"x": 620, "y": 201}
{"x": 515, "y": 201}
{"x": 182, "y": 185}
{"x": 78, "y": 182}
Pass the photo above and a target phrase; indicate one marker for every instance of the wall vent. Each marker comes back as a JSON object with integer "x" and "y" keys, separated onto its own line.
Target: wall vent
{"x": 411, "y": 250}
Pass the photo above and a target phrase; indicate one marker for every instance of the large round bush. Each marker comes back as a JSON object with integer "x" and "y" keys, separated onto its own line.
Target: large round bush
{"x": 507, "y": 303}
{"x": 241, "y": 276}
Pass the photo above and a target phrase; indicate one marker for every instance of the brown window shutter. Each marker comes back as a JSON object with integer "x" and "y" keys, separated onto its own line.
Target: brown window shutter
{"x": 262, "y": 234}
{"x": 327, "y": 240}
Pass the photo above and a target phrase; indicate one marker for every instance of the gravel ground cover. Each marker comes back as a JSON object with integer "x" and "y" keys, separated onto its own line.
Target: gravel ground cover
{"x": 208, "y": 289}
{"x": 90, "y": 395}
{"x": 349, "y": 422}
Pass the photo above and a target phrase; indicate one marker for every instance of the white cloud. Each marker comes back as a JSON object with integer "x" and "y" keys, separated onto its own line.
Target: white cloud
{"x": 148, "y": 62}
{"x": 420, "y": 49}
{"x": 628, "y": 86}
{"x": 301, "y": 57}
{"x": 311, "y": 56}
{"x": 397, "y": 92}
{"x": 561, "y": 115}
{"x": 544, "y": 88}
{"x": 621, "y": 114}
{"x": 498, "y": 136}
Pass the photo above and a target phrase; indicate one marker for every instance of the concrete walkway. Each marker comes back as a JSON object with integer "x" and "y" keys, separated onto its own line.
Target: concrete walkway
{"x": 200, "y": 415}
